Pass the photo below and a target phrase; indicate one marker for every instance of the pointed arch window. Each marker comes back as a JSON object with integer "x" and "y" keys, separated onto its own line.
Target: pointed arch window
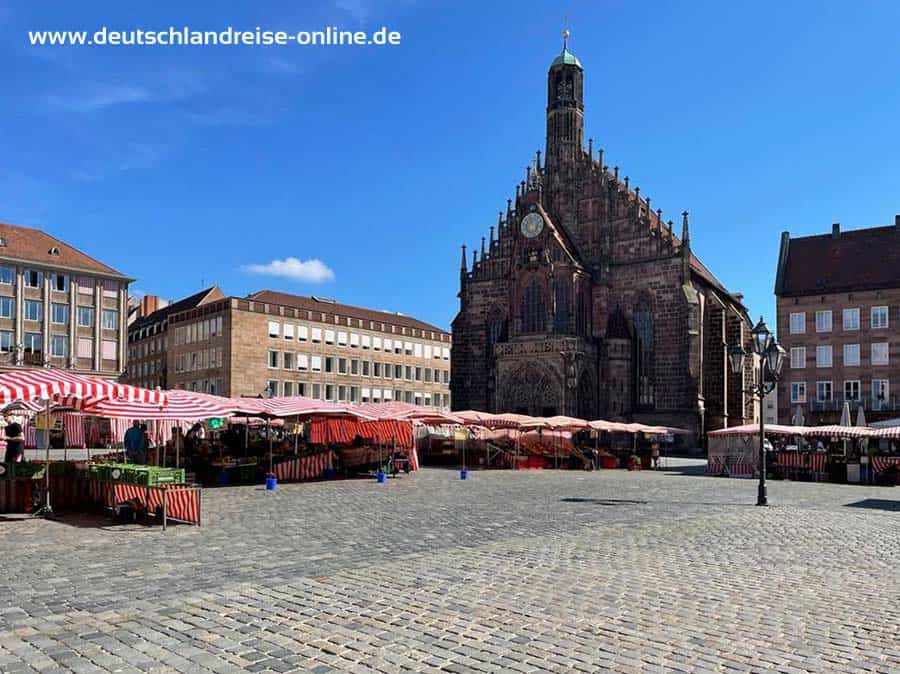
{"x": 582, "y": 314}
{"x": 644, "y": 358}
{"x": 561, "y": 308}
{"x": 532, "y": 308}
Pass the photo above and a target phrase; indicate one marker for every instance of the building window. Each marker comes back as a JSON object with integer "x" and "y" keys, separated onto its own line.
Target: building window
{"x": 851, "y": 355}
{"x": 59, "y": 313}
{"x": 851, "y": 319}
{"x": 376, "y": 344}
{"x": 86, "y": 348}
{"x": 376, "y": 369}
{"x": 329, "y": 336}
{"x": 288, "y": 359}
{"x": 302, "y": 362}
{"x": 798, "y": 323}
{"x": 798, "y": 357}
{"x": 316, "y": 365}
{"x": 273, "y": 359}
{"x": 823, "y": 356}
{"x": 365, "y": 368}
{"x": 354, "y": 366}
{"x": 824, "y": 391}
{"x": 59, "y": 345}
{"x": 388, "y": 371}
{"x": 427, "y": 375}
{"x": 342, "y": 366}
{"x": 33, "y": 278}
{"x": 7, "y": 307}
{"x": 398, "y": 372}
{"x": 7, "y": 275}
{"x": 407, "y": 373}
{"x": 6, "y": 341}
{"x": 561, "y": 308}
{"x": 316, "y": 335}
{"x": 317, "y": 391}
{"x": 302, "y": 333}
{"x": 366, "y": 342}
{"x": 644, "y": 372}
{"x": 823, "y": 321}
{"x": 272, "y": 388}
{"x": 798, "y": 392}
{"x": 342, "y": 394}
{"x": 274, "y": 329}
{"x": 329, "y": 364}
{"x": 34, "y": 310}
{"x": 879, "y": 318}
{"x": 110, "y": 319}
{"x": 532, "y": 308}
{"x": 59, "y": 282}
{"x": 288, "y": 333}
{"x": 288, "y": 388}
{"x": 109, "y": 350}
{"x": 354, "y": 394}
{"x": 301, "y": 388}
{"x": 851, "y": 390}
{"x": 354, "y": 340}
{"x": 880, "y": 393}
{"x": 86, "y": 317}
{"x": 329, "y": 392}
{"x": 342, "y": 338}
{"x": 880, "y": 353}
{"x": 418, "y": 374}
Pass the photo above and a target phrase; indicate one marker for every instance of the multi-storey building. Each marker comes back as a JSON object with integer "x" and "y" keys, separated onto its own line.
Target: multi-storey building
{"x": 838, "y": 305}
{"x": 276, "y": 344}
{"x": 148, "y": 336}
{"x": 584, "y": 301}
{"x": 58, "y": 306}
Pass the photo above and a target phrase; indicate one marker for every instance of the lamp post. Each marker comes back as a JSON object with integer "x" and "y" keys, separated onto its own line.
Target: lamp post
{"x": 771, "y": 359}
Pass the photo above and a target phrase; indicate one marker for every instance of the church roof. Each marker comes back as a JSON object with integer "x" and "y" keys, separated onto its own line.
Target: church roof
{"x": 566, "y": 58}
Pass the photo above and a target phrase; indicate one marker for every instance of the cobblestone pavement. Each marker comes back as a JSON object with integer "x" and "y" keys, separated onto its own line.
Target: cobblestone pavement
{"x": 506, "y": 572}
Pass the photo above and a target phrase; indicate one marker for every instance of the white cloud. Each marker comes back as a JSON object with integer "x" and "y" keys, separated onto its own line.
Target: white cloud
{"x": 309, "y": 271}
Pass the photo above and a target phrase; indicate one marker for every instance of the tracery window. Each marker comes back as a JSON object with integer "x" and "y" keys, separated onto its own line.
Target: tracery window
{"x": 561, "y": 309}
{"x": 644, "y": 375}
{"x": 533, "y": 308}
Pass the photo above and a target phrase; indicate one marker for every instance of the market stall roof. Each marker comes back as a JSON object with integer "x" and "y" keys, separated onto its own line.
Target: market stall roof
{"x": 298, "y": 406}
{"x": 46, "y": 384}
{"x": 558, "y": 423}
{"x": 180, "y": 405}
{"x": 408, "y": 412}
{"x": 832, "y": 431}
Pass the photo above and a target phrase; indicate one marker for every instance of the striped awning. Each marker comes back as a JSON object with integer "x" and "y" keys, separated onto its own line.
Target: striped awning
{"x": 46, "y": 384}
{"x": 180, "y": 405}
{"x": 299, "y": 406}
{"x": 401, "y": 411}
{"x": 557, "y": 423}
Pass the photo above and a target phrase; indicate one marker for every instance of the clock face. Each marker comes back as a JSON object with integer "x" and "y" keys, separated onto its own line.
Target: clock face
{"x": 532, "y": 224}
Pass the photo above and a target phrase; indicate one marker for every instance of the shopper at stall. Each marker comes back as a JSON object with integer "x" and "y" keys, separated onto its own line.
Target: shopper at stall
{"x": 134, "y": 443}
{"x": 15, "y": 443}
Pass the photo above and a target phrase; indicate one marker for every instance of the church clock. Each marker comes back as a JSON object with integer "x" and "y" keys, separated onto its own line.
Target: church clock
{"x": 532, "y": 225}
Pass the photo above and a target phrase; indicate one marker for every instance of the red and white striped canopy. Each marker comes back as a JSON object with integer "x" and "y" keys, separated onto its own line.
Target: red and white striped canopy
{"x": 28, "y": 385}
{"x": 557, "y": 423}
{"x": 299, "y": 406}
{"x": 401, "y": 411}
{"x": 180, "y": 405}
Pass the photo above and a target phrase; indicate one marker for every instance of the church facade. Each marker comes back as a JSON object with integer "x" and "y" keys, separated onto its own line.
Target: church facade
{"x": 583, "y": 301}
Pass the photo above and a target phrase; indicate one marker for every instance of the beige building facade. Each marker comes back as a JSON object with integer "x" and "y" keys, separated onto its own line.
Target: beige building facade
{"x": 273, "y": 344}
{"x": 59, "y": 307}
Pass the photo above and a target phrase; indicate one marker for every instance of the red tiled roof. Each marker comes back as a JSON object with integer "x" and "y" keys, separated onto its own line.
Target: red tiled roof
{"x": 854, "y": 260}
{"x": 33, "y": 245}
{"x": 330, "y": 307}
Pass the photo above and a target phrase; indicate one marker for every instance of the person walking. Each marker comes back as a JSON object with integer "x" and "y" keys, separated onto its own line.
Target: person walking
{"x": 134, "y": 443}
{"x": 15, "y": 443}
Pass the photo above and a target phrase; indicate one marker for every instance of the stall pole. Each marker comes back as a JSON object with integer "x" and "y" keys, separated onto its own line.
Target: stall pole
{"x": 246, "y": 436}
{"x": 296, "y": 435}
{"x": 269, "y": 438}
{"x": 47, "y": 509}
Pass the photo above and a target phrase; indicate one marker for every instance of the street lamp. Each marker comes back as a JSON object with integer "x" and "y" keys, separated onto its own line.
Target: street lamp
{"x": 771, "y": 359}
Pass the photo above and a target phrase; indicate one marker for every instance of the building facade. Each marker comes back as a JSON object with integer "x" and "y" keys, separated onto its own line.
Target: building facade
{"x": 148, "y": 337}
{"x": 583, "y": 301}
{"x": 274, "y": 344}
{"x": 59, "y": 307}
{"x": 838, "y": 305}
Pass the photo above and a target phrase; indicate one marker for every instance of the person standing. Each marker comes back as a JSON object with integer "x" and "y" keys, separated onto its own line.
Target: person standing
{"x": 134, "y": 443}
{"x": 15, "y": 443}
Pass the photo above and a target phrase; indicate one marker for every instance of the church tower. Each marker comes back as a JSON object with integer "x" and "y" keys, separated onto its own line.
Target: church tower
{"x": 565, "y": 109}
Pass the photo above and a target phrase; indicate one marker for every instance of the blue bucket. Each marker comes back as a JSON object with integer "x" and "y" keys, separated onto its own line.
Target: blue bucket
{"x": 463, "y": 474}
{"x": 271, "y": 483}
{"x": 222, "y": 478}
{"x": 381, "y": 477}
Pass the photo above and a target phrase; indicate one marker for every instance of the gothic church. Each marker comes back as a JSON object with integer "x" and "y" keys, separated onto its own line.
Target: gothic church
{"x": 584, "y": 302}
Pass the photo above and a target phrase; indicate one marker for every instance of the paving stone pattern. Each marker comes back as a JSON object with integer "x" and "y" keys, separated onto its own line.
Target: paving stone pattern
{"x": 506, "y": 572}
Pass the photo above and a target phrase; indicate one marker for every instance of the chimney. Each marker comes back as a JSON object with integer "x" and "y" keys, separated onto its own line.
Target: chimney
{"x": 836, "y": 230}
{"x": 149, "y": 304}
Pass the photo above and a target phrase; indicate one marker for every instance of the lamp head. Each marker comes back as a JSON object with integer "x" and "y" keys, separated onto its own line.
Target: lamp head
{"x": 761, "y": 336}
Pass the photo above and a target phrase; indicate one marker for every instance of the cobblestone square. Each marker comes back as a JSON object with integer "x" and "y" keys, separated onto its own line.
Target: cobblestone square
{"x": 506, "y": 572}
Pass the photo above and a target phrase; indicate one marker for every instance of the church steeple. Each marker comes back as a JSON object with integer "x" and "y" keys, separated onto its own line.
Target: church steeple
{"x": 565, "y": 108}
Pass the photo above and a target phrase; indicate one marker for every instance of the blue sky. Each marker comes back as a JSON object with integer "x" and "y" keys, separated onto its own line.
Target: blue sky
{"x": 192, "y": 164}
